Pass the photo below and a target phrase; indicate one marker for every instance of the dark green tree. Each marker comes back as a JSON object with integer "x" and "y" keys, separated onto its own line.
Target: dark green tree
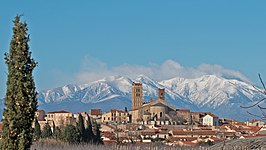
{"x": 47, "y": 132}
{"x": 37, "y": 129}
{"x": 81, "y": 128}
{"x": 71, "y": 134}
{"x": 57, "y": 134}
{"x": 20, "y": 100}
{"x": 89, "y": 136}
{"x": 97, "y": 137}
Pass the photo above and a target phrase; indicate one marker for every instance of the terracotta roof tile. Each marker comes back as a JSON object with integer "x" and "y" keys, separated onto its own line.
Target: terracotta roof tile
{"x": 183, "y": 110}
{"x": 178, "y": 132}
{"x": 115, "y": 110}
{"x": 96, "y": 112}
{"x": 60, "y": 111}
{"x": 40, "y": 110}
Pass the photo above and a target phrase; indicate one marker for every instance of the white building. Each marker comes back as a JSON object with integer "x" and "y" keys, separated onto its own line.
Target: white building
{"x": 210, "y": 120}
{"x": 254, "y": 122}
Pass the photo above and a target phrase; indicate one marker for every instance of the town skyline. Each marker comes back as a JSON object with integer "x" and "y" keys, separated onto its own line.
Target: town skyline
{"x": 75, "y": 41}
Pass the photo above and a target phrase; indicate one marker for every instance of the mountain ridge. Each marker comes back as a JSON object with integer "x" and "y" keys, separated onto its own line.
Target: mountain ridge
{"x": 218, "y": 95}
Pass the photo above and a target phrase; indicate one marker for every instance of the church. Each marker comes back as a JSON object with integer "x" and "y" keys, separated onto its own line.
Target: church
{"x": 154, "y": 112}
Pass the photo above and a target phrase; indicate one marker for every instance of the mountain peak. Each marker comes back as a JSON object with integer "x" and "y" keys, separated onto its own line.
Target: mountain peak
{"x": 144, "y": 79}
{"x": 206, "y": 93}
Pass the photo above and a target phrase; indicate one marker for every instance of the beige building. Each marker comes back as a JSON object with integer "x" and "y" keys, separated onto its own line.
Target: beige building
{"x": 115, "y": 116}
{"x": 254, "y": 122}
{"x": 60, "y": 118}
{"x": 152, "y": 112}
{"x": 185, "y": 115}
{"x": 96, "y": 114}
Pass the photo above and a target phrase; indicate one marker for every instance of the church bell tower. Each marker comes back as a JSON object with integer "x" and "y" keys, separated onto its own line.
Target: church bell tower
{"x": 136, "y": 95}
{"x": 161, "y": 94}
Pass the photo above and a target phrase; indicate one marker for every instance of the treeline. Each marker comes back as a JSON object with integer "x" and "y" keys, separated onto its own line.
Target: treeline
{"x": 72, "y": 134}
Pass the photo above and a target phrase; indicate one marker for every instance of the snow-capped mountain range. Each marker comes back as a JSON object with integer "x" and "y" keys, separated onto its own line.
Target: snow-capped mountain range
{"x": 210, "y": 93}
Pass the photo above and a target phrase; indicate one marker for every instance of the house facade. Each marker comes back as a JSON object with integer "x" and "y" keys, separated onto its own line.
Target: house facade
{"x": 115, "y": 116}
{"x": 210, "y": 120}
{"x": 96, "y": 114}
{"x": 60, "y": 118}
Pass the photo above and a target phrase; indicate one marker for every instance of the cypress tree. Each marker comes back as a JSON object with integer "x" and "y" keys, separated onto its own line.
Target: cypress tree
{"x": 71, "y": 134}
{"x": 20, "y": 100}
{"x": 57, "y": 134}
{"x": 81, "y": 128}
{"x": 47, "y": 132}
{"x": 89, "y": 133}
{"x": 97, "y": 137}
{"x": 37, "y": 130}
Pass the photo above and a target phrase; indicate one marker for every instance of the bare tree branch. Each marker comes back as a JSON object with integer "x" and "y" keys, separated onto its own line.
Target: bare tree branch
{"x": 261, "y": 107}
{"x": 259, "y": 90}
{"x": 263, "y": 113}
{"x": 262, "y": 117}
{"x": 254, "y": 104}
{"x": 261, "y": 81}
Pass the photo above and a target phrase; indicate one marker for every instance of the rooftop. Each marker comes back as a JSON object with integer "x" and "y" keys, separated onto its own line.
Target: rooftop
{"x": 96, "y": 112}
{"x": 60, "y": 111}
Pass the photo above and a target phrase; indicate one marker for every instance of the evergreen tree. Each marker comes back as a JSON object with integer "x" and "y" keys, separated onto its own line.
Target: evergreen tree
{"x": 71, "y": 134}
{"x": 97, "y": 137}
{"x": 89, "y": 133}
{"x": 125, "y": 109}
{"x": 37, "y": 129}
{"x": 47, "y": 132}
{"x": 20, "y": 100}
{"x": 57, "y": 134}
{"x": 81, "y": 128}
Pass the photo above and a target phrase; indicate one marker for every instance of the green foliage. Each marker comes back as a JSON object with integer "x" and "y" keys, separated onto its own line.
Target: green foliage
{"x": 97, "y": 137}
{"x": 71, "y": 134}
{"x": 89, "y": 136}
{"x": 47, "y": 132}
{"x": 20, "y": 100}
{"x": 37, "y": 130}
{"x": 203, "y": 143}
{"x": 57, "y": 134}
{"x": 81, "y": 128}
{"x": 1, "y": 144}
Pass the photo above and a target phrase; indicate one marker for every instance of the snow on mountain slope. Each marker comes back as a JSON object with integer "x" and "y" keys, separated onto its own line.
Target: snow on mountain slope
{"x": 218, "y": 95}
{"x": 207, "y": 93}
{"x": 211, "y": 91}
{"x": 58, "y": 94}
{"x": 108, "y": 89}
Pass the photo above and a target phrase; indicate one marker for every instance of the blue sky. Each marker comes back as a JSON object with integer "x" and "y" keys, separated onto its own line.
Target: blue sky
{"x": 84, "y": 40}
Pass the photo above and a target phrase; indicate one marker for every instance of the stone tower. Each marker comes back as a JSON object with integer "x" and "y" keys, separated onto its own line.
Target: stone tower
{"x": 136, "y": 95}
{"x": 161, "y": 94}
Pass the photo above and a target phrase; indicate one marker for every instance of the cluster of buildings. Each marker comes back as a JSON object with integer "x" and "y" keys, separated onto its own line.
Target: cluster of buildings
{"x": 157, "y": 120}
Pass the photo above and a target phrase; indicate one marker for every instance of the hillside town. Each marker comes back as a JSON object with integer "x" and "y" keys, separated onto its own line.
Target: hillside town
{"x": 156, "y": 121}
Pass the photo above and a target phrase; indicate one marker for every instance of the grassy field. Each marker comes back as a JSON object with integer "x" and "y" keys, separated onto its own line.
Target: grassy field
{"x": 55, "y": 145}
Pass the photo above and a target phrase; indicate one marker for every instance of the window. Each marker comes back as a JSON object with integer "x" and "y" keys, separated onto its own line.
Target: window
{"x": 161, "y": 114}
{"x": 103, "y": 118}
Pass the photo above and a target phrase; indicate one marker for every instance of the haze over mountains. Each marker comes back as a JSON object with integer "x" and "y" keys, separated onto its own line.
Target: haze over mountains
{"x": 218, "y": 95}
